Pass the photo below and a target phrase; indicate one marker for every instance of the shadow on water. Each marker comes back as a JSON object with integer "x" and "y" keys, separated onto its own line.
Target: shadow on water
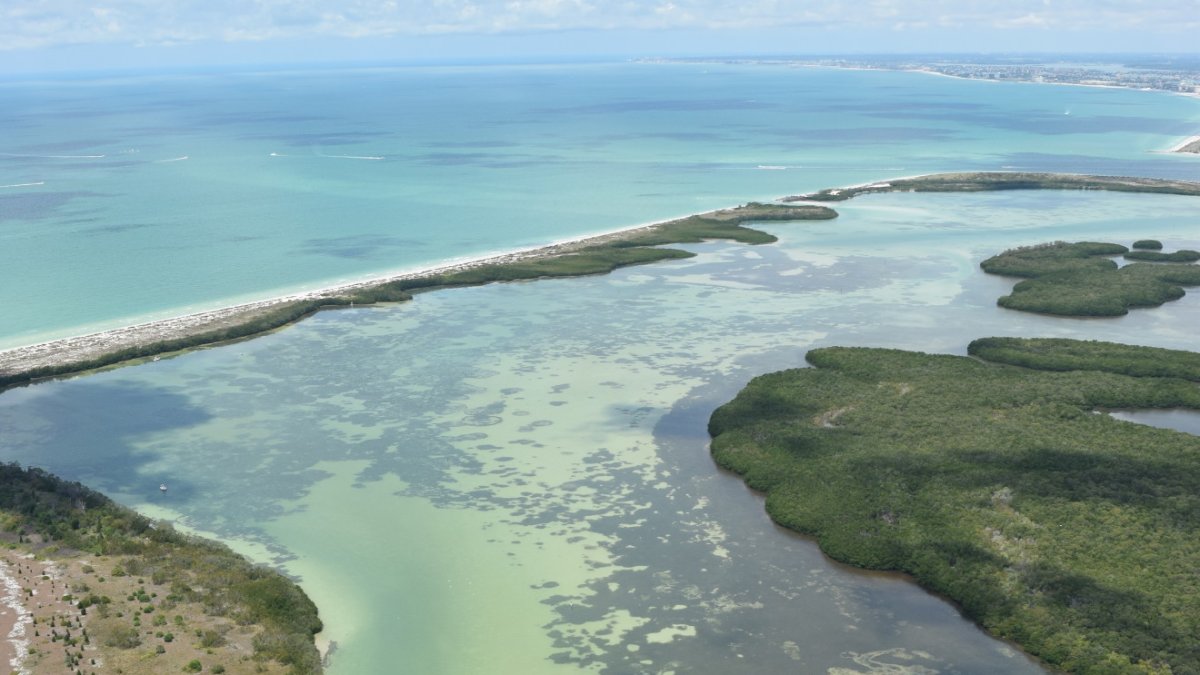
{"x": 85, "y": 430}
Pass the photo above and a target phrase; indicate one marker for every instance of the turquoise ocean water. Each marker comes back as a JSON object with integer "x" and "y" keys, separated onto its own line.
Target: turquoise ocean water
{"x": 145, "y": 196}
{"x": 515, "y": 478}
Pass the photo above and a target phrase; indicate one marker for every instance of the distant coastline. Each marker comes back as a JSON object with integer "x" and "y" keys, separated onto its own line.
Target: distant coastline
{"x": 1181, "y": 82}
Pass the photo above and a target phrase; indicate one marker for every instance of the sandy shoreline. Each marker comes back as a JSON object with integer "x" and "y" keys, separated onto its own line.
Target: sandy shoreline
{"x": 85, "y": 347}
{"x": 1190, "y": 145}
{"x": 14, "y": 619}
{"x": 30, "y": 589}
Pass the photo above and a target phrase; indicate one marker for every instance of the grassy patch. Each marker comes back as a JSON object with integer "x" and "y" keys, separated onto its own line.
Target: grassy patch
{"x": 1072, "y": 533}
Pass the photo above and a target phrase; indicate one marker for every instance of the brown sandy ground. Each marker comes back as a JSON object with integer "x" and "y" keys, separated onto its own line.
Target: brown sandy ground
{"x": 140, "y": 630}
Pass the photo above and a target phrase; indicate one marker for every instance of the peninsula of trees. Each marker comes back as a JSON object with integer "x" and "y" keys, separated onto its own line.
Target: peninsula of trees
{"x": 130, "y": 595}
{"x": 1000, "y": 180}
{"x": 999, "y": 482}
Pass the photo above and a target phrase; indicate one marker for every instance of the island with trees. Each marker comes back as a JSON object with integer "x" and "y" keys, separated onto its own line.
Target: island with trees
{"x": 999, "y": 481}
{"x": 1081, "y": 279}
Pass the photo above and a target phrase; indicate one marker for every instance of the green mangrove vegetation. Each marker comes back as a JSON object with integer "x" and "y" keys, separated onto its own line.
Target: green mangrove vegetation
{"x": 631, "y": 248}
{"x": 62, "y": 518}
{"x": 984, "y": 181}
{"x": 1072, "y": 533}
{"x": 1181, "y": 256}
{"x": 1148, "y": 244}
{"x": 1078, "y": 279}
{"x": 1109, "y": 357}
{"x": 636, "y": 247}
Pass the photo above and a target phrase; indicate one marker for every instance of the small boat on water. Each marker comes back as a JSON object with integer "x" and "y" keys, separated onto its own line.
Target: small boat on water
{"x": 162, "y": 487}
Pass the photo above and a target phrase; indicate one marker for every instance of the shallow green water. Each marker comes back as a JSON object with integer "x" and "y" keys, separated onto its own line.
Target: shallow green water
{"x": 515, "y": 479}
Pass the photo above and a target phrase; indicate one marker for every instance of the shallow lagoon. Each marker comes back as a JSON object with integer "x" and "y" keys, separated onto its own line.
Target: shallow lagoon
{"x": 515, "y": 479}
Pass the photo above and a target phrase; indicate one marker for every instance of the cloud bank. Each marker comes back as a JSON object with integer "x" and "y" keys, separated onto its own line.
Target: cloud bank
{"x": 33, "y": 24}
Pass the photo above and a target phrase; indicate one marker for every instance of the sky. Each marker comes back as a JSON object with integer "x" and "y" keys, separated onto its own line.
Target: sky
{"x": 96, "y": 34}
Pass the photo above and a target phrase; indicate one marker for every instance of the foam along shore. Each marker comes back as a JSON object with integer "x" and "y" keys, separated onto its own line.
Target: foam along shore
{"x": 586, "y": 255}
{"x": 1190, "y": 145}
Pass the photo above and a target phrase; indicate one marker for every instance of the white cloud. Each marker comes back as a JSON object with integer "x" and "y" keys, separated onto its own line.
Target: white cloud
{"x": 34, "y": 23}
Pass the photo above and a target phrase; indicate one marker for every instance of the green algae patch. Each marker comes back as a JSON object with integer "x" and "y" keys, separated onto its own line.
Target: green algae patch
{"x": 1069, "y": 532}
{"x": 1079, "y": 279}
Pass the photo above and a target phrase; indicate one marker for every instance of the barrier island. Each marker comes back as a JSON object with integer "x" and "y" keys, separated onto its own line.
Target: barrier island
{"x": 590, "y": 255}
{"x": 1080, "y": 279}
{"x": 104, "y": 589}
{"x": 985, "y": 181}
{"x": 998, "y": 482}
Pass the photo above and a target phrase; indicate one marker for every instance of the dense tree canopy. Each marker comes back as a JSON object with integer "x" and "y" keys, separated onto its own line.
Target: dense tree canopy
{"x": 1005, "y": 488}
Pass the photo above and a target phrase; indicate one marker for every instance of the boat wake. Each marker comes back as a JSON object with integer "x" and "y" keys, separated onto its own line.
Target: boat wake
{"x": 17, "y": 185}
{"x": 173, "y": 159}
